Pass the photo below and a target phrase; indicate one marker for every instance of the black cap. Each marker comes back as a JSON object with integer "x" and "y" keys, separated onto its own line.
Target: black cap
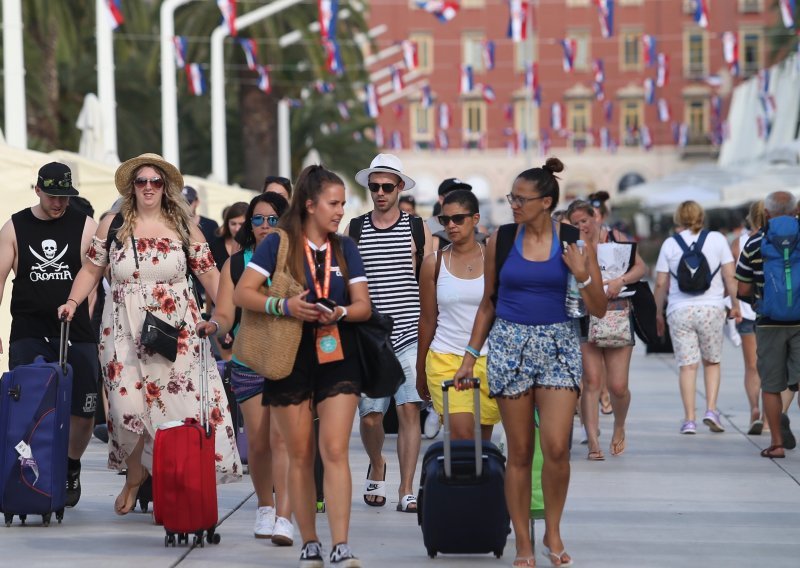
{"x": 190, "y": 194}
{"x": 55, "y": 179}
{"x": 408, "y": 199}
{"x": 451, "y": 184}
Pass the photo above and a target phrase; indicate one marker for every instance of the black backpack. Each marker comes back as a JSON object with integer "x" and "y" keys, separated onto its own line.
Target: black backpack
{"x": 694, "y": 276}
{"x": 417, "y": 233}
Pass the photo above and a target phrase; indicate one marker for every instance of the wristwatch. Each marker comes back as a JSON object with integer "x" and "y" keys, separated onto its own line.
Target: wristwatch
{"x": 582, "y": 285}
{"x": 344, "y": 314}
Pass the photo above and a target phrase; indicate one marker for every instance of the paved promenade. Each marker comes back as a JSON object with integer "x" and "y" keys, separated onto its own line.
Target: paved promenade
{"x": 669, "y": 501}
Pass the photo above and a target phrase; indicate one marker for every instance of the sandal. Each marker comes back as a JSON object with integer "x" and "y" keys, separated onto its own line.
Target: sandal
{"x": 556, "y": 558}
{"x": 596, "y": 456}
{"x": 408, "y": 504}
{"x": 618, "y": 447}
{"x": 375, "y": 489}
{"x": 524, "y": 561}
{"x": 770, "y": 453}
{"x": 129, "y": 493}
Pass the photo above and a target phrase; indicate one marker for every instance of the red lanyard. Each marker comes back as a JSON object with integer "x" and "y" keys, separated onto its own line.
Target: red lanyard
{"x": 326, "y": 286}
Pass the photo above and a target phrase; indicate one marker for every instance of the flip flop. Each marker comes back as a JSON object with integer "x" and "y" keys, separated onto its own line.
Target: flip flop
{"x": 408, "y": 504}
{"x": 770, "y": 453}
{"x": 375, "y": 488}
{"x": 596, "y": 456}
{"x": 556, "y": 558}
{"x": 617, "y": 448}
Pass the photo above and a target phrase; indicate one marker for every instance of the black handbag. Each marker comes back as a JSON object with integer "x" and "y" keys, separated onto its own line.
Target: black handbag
{"x": 382, "y": 373}
{"x": 643, "y": 305}
{"x": 160, "y": 336}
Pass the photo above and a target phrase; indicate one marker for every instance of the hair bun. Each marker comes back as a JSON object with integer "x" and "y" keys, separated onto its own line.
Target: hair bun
{"x": 553, "y": 165}
{"x": 601, "y": 196}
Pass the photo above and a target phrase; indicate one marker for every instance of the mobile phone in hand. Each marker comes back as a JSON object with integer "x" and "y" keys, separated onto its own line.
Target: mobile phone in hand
{"x": 325, "y": 305}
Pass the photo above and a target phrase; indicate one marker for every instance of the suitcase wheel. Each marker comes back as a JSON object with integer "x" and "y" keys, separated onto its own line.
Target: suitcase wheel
{"x": 212, "y": 537}
{"x": 498, "y": 553}
{"x": 431, "y": 553}
{"x": 46, "y": 519}
{"x": 169, "y": 538}
{"x": 198, "y": 540}
{"x": 144, "y": 504}
{"x": 23, "y": 518}
{"x": 183, "y": 538}
{"x": 9, "y": 519}
{"x": 60, "y": 515}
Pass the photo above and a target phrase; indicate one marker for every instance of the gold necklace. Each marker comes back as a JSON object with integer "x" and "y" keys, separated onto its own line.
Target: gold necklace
{"x": 469, "y": 266}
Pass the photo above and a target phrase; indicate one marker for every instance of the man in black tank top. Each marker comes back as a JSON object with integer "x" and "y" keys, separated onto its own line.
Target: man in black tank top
{"x": 45, "y": 246}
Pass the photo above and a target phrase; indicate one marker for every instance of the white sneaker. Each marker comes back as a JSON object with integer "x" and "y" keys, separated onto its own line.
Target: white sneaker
{"x": 265, "y": 522}
{"x": 432, "y": 424}
{"x": 283, "y": 532}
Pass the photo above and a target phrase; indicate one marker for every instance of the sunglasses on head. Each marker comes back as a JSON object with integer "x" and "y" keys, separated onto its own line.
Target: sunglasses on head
{"x": 155, "y": 183}
{"x": 258, "y": 220}
{"x": 386, "y": 187}
{"x": 458, "y": 218}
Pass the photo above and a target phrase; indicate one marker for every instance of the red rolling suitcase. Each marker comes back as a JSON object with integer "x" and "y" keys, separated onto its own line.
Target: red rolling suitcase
{"x": 184, "y": 477}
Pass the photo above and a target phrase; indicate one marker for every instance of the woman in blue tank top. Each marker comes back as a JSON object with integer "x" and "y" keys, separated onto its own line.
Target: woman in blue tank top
{"x": 534, "y": 353}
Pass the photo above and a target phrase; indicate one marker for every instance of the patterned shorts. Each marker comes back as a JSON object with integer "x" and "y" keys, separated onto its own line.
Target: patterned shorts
{"x": 696, "y": 333}
{"x": 522, "y": 357}
{"x": 245, "y": 383}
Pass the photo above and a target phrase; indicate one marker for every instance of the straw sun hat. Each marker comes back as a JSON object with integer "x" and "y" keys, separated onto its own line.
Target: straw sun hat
{"x": 126, "y": 171}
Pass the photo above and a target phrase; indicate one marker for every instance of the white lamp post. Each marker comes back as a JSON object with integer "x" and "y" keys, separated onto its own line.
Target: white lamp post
{"x": 106, "y": 92}
{"x": 14, "y": 75}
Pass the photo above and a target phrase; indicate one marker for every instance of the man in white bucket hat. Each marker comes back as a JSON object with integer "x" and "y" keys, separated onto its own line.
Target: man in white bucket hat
{"x": 392, "y": 244}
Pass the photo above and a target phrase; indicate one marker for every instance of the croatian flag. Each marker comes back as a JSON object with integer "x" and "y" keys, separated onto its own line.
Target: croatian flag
{"x": 683, "y": 135}
{"x": 544, "y": 142}
{"x": 605, "y": 13}
{"x": 444, "y": 116}
{"x": 508, "y": 112}
{"x": 537, "y": 96}
{"x": 662, "y": 72}
{"x": 556, "y": 122}
{"x": 787, "y": 12}
{"x": 608, "y": 111}
{"x": 467, "y": 80}
{"x": 701, "y": 13}
{"x": 730, "y": 51}
{"x": 228, "y": 10}
{"x": 333, "y": 58}
{"x": 522, "y": 140}
{"x": 663, "y": 110}
{"x": 532, "y": 76}
{"x": 397, "y": 79}
{"x": 379, "y": 136}
{"x": 372, "y": 105}
{"x": 649, "y": 91}
{"x": 343, "y": 111}
{"x": 443, "y": 10}
{"x": 264, "y": 84}
{"x": 442, "y": 140}
{"x": 196, "y": 78}
{"x": 488, "y": 94}
{"x": 518, "y": 20}
{"x": 410, "y": 54}
{"x": 599, "y": 78}
{"x": 399, "y": 110}
{"x": 323, "y": 86}
{"x": 328, "y": 14}
{"x": 180, "y": 51}
{"x": 250, "y": 52}
{"x": 647, "y": 139}
{"x": 488, "y": 54}
{"x": 114, "y": 13}
{"x": 649, "y": 43}
{"x": 396, "y": 140}
{"x": 569, "y": 47}
{"x": 605, "y": 138}
{"x": 427, "y": 100}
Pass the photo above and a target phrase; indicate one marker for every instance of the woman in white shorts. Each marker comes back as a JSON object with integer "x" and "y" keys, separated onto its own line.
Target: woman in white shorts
{"x": 696, "y": 319}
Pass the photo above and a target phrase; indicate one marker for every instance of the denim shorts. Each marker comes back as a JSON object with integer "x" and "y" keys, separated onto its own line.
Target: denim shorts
{"x": 407, "y": 392}
{"x": 746, "y": 327}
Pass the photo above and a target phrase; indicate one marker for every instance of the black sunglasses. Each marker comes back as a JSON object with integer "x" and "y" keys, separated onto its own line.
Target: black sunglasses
{"x": 386, "y": 187}
{"x": 319, "y": 264}
{"x": 258, "y": 220}
{"x": 458, "y": 218}
{"x": 155, "y": 183}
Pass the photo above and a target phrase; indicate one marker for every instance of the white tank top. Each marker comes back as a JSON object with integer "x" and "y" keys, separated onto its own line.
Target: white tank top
{"x": 458, "y": 300}
{"x": 744, "y": 307}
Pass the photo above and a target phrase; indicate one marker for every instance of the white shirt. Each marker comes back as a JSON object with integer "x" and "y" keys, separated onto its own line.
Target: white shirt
{"x": 717, "y": 252}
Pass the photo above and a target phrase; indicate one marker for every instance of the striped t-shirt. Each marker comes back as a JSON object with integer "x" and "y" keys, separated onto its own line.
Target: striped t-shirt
{"x": 389, "y": 264}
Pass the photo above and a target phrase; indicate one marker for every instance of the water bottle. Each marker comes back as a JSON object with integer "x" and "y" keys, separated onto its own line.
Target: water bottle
{"x": 574, "y": 302}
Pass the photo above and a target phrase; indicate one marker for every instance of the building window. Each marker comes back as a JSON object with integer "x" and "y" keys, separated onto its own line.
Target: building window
{"x": 583, "y": 44}
{"x": 750, "y": 6}
{"x": 424, "y": 41}
{"x": 631, "y": 116}
{"x": 751, "y": 48}
{"x": 473, "y": 119}
{"x": 579, "y": 119}
{"x": 696, "y": 117}
{"x": 526, "y": 118}
{"x": 631, "y": 51}
{"x": 695, "y": 54}
{"x": 422, "y": 125}
{"x": 472, "y": 50}
{"x": 525, "y": 52}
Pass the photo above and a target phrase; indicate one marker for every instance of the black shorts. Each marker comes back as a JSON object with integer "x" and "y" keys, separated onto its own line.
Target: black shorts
{"x": 310, "y": 380}
{"x": 82, "y": 357}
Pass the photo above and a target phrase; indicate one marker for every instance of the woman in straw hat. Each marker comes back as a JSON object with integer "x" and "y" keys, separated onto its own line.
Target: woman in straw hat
{"x": 148, "y": 255}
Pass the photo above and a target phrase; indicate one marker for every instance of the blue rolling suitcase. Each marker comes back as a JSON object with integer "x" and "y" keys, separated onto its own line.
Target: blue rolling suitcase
{"x": 34, "y": 436}
{"x": 461, "y": 505}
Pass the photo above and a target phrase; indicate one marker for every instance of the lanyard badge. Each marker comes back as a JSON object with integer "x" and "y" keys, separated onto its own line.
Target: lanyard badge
{"x": 328, "y": 341}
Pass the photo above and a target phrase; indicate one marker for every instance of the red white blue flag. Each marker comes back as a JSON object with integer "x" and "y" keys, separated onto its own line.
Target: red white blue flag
{"x": 664, "y": 113}
{"x": 114, "y": 13}
{"x": 372, "y": 105}
{"x": 444, "y": 116}
{"x": 683, "y": 135}
{"x": 328, "y": 15}
{"x": 410, "y": 55}
{"x": 518, "y": 20}
{"x": 598, "y": 69}
{"x": 787, "y": 12}
{"x": 343, "y": 111}
{"x": 532, "y": 76}
{"x": 333, "y": 56}
{"x": 662, "y": 71}
{"x": 508, "y": 112}
{"x": 544, "y": 142}
{"x": 397, "y": 79}
{"x": 196, "y": 78}
{"x": 647, "y": 139}
{"x": 427, "y": 99}
{"x": 444, "y": 10}
{"x": 556, "y": 117}
{"x": 264, "y": 84}
{"x": 396, "y": 141}
{"x": 701, "y": 13}
{"x": 605, "y": 13}
{"x": 250, "y": 52}
{"x": 605, "y": 138}
{"x": 323, "y": 86}
{"x": 649, "y": 91}
{"x": 537, "y": 96}
{"x": 379, "y": 136}
{"x": 649, "y": 44}
{"x": 730, "y": 52}
{"x": 608, "y": 110}
{"x": 467, "y": 80}
{"x": 228, "y": 10}
{"x": 487, "y": 50}
{"x": 569, "y": 47}
{"x": 488, "y": 94}
{"x": 442, "y": 140}
{"x": 180, "y": 51}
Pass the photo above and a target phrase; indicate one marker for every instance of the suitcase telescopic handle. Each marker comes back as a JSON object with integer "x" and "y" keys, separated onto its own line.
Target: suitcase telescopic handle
{"x": 475, "y": 384}
{"x": 63, "y": 344}
{"x": 205, "y": 352}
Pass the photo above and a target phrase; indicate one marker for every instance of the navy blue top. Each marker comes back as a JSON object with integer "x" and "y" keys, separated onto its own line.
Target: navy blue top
{"x": 533, "y": 292}
{"x": 266, "y": 257}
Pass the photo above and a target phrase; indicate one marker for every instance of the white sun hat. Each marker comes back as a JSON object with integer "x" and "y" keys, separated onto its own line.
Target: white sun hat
{"x": 385, "y": 163}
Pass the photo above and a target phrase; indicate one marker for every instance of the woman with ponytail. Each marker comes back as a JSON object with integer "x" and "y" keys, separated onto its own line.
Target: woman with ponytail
{"x": 326, "y": 380}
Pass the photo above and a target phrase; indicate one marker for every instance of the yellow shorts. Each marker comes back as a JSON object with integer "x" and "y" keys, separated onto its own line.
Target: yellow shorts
{"x": 441, "y": 367}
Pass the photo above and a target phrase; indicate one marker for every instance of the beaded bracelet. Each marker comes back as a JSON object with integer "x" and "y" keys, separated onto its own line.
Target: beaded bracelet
{"x": 472, "y": 351}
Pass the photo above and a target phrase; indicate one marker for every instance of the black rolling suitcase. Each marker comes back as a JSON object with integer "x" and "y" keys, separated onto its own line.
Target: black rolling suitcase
{"x": 461, "y": 502}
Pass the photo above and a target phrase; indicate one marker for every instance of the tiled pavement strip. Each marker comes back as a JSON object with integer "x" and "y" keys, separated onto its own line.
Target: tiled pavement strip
{"x": 669, "y": 501}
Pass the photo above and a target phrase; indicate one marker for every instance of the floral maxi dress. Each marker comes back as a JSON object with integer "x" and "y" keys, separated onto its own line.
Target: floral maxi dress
{"x": 145, "y": 389}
